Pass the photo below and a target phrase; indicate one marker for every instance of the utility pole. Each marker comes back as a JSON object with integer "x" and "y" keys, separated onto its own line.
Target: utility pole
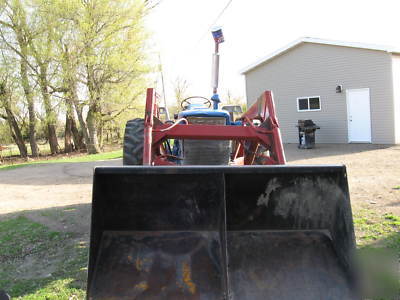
{"x": 163, "y": 87}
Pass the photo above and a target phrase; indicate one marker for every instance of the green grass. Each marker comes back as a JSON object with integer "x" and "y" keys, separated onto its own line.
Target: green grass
{"x": 80, "y": 158}
{"x": 12, "y": 150}
{"x": 377, "y": 230}
{"x": 38, "y": 263}
{"x": 19, "y": 237}
{"x": 378, "y": 241}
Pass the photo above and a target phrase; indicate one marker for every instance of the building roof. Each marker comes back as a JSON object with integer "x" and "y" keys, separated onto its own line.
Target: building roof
{"x": 317, "y": 41}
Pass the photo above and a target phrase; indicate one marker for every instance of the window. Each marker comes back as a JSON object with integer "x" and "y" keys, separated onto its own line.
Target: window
{"x": 308, "y": 103}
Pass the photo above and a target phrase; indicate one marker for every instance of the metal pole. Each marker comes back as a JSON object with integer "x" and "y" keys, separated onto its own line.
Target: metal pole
{"x": 163, "y": 87}
{"x": 216, "y": 68}
{"x": 218, "y": 38}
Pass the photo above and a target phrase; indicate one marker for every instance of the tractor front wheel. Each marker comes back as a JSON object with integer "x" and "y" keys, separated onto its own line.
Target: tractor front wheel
{"x": 133, "y": 142}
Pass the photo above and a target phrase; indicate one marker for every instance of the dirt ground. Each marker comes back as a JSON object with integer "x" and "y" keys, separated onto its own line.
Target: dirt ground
{"x": 57, "y": 195}
{"x": 373, "y": 172}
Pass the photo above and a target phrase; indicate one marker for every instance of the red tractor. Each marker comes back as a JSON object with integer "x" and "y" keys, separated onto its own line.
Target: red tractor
{"x": 204, "y": 136}
{"x": 181, "y": 221}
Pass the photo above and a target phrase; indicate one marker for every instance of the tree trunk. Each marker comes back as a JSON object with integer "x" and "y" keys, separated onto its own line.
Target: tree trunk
{"x": 53, "y": 141}
{"x": 69, "y": 70}
{"x": 28, "y": 95}
{"x": 93, "y": 144}
{"x": 68, "y": 145}
{"x": 73, "y": 131}
{"x": 93, "y": 113}
{"x": 50, "y": 114}
{"x": 32, "y": 129}
{"x": 12, "y": 121}
{"x": 100, "y": 134}
{"x": 16, "y": 132}
{"x": 71, "y": 101}
{"x": 76, "y": 136}
{"x": 82, "y": 124}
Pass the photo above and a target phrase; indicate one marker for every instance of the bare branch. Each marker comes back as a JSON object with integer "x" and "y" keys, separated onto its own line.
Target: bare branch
{"x": 18, "y": 52}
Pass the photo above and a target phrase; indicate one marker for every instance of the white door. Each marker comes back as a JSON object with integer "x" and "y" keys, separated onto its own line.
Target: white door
{"x": 358, "y": 115}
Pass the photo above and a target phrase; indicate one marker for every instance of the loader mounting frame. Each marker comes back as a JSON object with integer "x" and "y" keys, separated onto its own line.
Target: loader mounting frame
{"x": 249, "y": 137}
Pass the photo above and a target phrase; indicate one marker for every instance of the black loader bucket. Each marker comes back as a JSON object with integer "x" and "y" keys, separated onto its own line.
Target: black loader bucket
{"x": 275, "y": 232}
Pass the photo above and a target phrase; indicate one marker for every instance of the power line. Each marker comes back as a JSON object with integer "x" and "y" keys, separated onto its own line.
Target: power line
{"x": 220, "y": 14}
{"x": 215, "y": 21}
{"x": 185, "y": 55}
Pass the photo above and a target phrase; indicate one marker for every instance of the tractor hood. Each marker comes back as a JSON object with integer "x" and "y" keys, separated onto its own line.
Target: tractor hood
{"x": 205, "y": 112}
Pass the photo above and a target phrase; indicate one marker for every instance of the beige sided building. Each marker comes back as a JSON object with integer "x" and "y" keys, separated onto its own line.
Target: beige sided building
{"x": 351, "y": 90}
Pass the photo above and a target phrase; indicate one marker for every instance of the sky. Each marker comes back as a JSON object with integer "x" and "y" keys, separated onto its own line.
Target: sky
{"x": 180, "y": 34}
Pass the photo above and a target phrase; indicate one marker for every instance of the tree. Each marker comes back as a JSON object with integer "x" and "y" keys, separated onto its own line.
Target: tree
{"x": 16, "y": 29}
{"x": 113, "y": 38}
{"x": 42, "y": 46}
{"x": 82, "y": 60}
{"x": 5, "y": 133}
{"x": 180, "y": 87}
{"x": 102, "y": 46}
{"x": 10, "y": 117}
{"x": 69, "y": 70}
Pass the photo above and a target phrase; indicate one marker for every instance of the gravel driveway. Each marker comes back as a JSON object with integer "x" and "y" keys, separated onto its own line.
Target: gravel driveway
{"x": 48, "y": 185}
{"x": 373, "y": 171}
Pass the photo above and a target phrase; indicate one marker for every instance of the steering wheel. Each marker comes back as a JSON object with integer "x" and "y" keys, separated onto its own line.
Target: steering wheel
{"x": 186, "y": 100}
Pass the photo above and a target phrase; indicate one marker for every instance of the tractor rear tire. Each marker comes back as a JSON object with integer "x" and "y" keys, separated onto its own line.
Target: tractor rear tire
{"x": 133, "y": 142}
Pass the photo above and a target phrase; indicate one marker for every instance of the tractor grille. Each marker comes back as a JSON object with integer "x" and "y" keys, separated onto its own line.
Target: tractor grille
{"x": 206, "y": 120}
{"x": 206, "y": 152}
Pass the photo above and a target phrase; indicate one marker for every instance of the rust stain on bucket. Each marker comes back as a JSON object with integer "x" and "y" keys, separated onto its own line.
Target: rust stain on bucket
{"x": 187, "y": 278}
